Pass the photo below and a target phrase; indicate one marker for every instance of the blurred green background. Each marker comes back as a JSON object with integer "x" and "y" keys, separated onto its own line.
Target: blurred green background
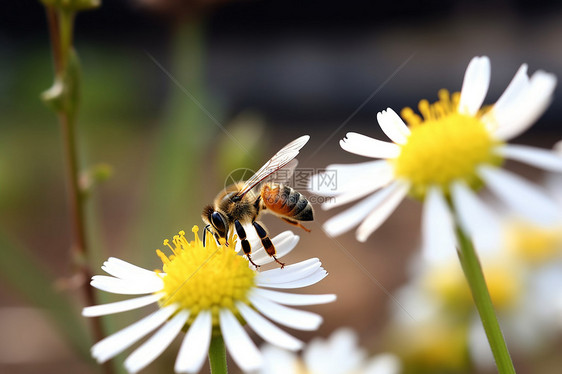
{"x": 161, "y": 79}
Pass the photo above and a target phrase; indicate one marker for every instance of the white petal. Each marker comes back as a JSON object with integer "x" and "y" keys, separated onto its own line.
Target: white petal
{"x": 284, "y": 243}
{"x": 338, "y": 178}
{"x": 475, "y": 85}
{"x": 295, "y": 299}
{"x": 267, "y": 330}
{"x": 524, "y": 197}
{"x": 557, "y": 148}
{"x": 541, "y": 158}
{"x": 344, "y": 340}
{"x": 437, "y": 227}
{"x": 553, "y": 185}
{"x": 253, "y": 238}
{"x": 364, "y": 146}
{"x": 239, "y": 344}
{"x": 195, "y": 345}
{"x": 395, "y": 193}
{"x": 315, "y": 357}
{"x": 124, "y": 270}
{"x": 393, "y": 126}
{"x": 478, "y": 347}
{"x": 121, "y": 340}
{"x": 515, "y": 118}
{"x": 126, "y": 287}
{"x": 120, "y": 306}
{"x": 290, "y": 272}
{"x": 278, "y": 361}
{"x": 385, "y": 363}
{"x": 339, "y": 354}
{"x": 157, "y": 343}
{"x": 294, "y": 318}
{"x": 368, "y": 184}
{"x": 479, "y": 222}
{"x": 518, "y": 85}
{"x": 314, "y": 278}
{"x": 346, "y": 220}
{"x": 283, "y": 239}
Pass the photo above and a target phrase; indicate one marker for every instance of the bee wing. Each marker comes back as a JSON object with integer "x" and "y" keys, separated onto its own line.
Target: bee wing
{"x": 284, "y": 174}
{"x": 281, "y": 176}
{"x": 279, "y": 160}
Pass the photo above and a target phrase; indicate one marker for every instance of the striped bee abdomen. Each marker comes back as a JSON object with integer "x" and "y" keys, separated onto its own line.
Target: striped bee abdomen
{"x": 285, "y": 201}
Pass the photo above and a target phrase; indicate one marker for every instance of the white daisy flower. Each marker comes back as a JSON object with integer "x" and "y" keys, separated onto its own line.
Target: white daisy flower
{"x": 339, "y": 354}
{"x": 440, "y": 328}
{"x": 524, "y": 278}
{"x": 454, "y": 148}
{"x": 534, "y": 322}
{"x": 205, "y": 290}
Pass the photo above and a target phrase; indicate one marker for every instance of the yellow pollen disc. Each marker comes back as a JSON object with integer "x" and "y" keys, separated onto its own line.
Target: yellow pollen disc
{"x": 534, "y": 244}
{"x": 504, "y": 285}
{"x": 444, "y": 146}
{"x": 436, "y": 344}
{"x": 449, "y": 284}
{"x": 209, "y": 277}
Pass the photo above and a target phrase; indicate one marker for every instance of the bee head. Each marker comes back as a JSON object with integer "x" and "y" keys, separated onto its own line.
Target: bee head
{"x": 217, "y": 220}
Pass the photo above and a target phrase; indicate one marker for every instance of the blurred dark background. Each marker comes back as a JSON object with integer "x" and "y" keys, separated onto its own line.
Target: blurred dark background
{"x": 314, "y": 60}
{"x": 317, "y": 67}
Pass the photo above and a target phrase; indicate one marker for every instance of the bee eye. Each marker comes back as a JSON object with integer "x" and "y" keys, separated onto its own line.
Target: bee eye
{"x": 218, "y": 222}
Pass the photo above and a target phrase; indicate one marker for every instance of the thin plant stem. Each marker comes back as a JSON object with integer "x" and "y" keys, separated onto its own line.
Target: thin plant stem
{"x": 217, "y": 355}
{"x": 60, "y": 28}
{"x": 54, "y": 35}
{"x": 475, "y": 277}
{"x": 66, "y": 26}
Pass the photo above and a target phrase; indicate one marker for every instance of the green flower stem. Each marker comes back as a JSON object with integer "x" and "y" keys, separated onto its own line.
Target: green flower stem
{"x": 217, "y": 355}
{"x": 52, "y": 21}
{"x": 475, "y": 277}
{"x": 66, "y": 26}
{"x": 65, "y": 102}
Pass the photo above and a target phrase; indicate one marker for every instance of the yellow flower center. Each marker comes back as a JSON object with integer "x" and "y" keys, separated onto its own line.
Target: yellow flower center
{"x": 443, "y": 146}
{"x": 449, "y": 284}
{"x": 534, "y": 244}
{"x": 437, "y": 344}
{"x": 204, "y": 277}
{"x": 504, "y": 285}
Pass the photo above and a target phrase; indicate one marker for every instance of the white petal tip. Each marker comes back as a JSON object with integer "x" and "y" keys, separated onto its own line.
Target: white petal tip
{"x": 330, "y": 228}
{"x": 362, "y": 237}
{"x": 558, "y": 148}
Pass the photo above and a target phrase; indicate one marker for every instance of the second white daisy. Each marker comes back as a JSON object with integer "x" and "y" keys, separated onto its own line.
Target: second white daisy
{"x": 339, "y": 354}
{"x": 443, "y": 156}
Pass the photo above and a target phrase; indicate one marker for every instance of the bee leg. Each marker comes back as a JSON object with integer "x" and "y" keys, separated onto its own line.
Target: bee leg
{"x": 295, "y": 223}
{"x": 244, "y": 241}
{"x": 267, "y": 244}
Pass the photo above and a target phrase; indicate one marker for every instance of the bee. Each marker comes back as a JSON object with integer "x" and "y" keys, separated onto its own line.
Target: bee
{"x": 241, "y": 204}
